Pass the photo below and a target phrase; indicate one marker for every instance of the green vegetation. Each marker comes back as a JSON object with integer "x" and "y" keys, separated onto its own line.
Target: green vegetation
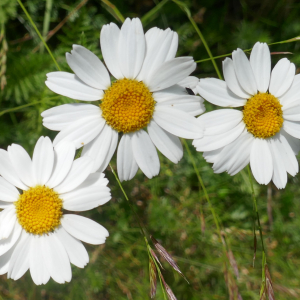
{"x": 170, "y": 206}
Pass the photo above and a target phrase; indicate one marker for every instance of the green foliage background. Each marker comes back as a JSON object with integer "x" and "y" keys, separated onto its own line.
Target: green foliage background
{"x": 170, "y": 205}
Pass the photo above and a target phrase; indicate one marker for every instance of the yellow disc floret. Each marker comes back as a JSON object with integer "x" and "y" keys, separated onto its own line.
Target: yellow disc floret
{"x": 127, "y": 105}
{"x": 39, "y": 210}
{"x": 263, "y": 115}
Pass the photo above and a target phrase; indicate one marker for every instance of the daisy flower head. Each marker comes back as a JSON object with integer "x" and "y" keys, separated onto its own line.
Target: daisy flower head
{"x": 266, "y": 131}
{"x": 35, "y": 233}
{"x": 149, "y": 92}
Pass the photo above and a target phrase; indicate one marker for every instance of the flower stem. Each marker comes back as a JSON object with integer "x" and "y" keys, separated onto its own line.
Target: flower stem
{"x": 39, "y": 34}
{"x": 213, "y": 212}
{"x": 256, "y": 210}
{"x": 188, "y": 13}
{"x": 264, "y": 256}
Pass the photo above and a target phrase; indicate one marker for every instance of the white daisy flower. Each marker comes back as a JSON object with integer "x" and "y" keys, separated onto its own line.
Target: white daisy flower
{"x": 149, "y": 91}
{"x": 35, "y": 234}
{"x": 266, "y": 131}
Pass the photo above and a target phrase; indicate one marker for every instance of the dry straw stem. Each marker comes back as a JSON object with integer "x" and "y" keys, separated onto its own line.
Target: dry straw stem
{"x": 295, "y": 39}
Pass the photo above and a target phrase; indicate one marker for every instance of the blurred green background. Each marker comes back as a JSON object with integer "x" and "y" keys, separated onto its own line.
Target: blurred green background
{"x": 170, "y": 205}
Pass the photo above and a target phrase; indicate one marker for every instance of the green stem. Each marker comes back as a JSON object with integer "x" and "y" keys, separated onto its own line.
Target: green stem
{"x": 46, "y": 22}
{"x": 132, "y": 208}
{"x": 256, "y": 210}
{"x": 39, "y": 34}
{"x": 9, "y": 110}
{"x": 143, "y": 231}
{"x": 157, "y": 268}
{"x": 185, "y": 8}
{"x": 153, "y": 11}
{"x": 114, "y": 11}
{"x": 204, "y": 190}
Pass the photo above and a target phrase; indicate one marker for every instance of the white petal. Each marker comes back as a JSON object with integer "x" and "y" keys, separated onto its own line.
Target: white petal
{"x": 145, "y": 153}
{"x": 190, "y": 82}
{"x": 178, "y": 122}
{"x": 59, "y": 117}
{"x": 231, "y": 79}
{"x": 56, "y": 258}
{"x": 102, "y": 148}
{"x": 8, "y": 171}
{"x": 7, "y": 191}
{"x": 244, "y": 71}
{"x": 216, "y": 92}
{"x": 21, "y": 162}
{"x": 282, "y": 77}
{"x": 19, "y": 262}
{"x": 261, "y": 161}
{"x": 81, "y": 132}
{"x": 126, "y": 164}
{"x": 88, "y": 67}
{"x": 38, "y": 269}
{"x": 109, "y": 41}
{"x": 220, "y": 121}
{"x": 292, "y": 113}
{"x": 4, "y": 204}
{"x": 8, "y": 219}
{"x": 5, "y": 260}
{"x": 260, "y": 60}
{"x": 292, "y": 128}
{"x": 292, "y": 95}
{"x": 213, "y": 142}
{"x": 193, "y": 105}
{"x": 212, "y": 156}
{"x": 168, "y": 144}
{"x": 279, "y": 173}
{"x": 6, "y": 244}
{"x": 170, "y": 73}
{"x": 42, "y": 160}
{"x": 293, "y": 142}
{"x": 88, "y": 195}
{"x": 76, "y": 251}
{"x": 64, "y": 154}
{"x": 84, "y": 229}
{"x": 80, "y": 170}
{"x": 131, "y": 47}
{"x": 69, "y": 85}
{"x": 235, "y": 156}
{"x": 287, "y": 154}
{"x": 161, "y": 46}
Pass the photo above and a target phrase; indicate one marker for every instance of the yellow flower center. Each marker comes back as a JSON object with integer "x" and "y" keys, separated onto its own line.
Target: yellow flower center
{"x": 263, "y": 115}
{"x": 39, "y": 210}
{"x": 127, "y": 105}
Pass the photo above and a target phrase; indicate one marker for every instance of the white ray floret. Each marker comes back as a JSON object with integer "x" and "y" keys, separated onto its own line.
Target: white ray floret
{"x": 145, "y": 61}
{"x": 34, "y": 233}
{"x": 266, "y": 132}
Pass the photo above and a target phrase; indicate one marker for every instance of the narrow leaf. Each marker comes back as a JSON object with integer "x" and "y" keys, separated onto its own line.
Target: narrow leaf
{"x": 156, "y": 258}
{"x": 153, "y": 278}
{"x": 269, "y": 284}
{"x": 167, "y": 256}
{"x": 170, "y": 293}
